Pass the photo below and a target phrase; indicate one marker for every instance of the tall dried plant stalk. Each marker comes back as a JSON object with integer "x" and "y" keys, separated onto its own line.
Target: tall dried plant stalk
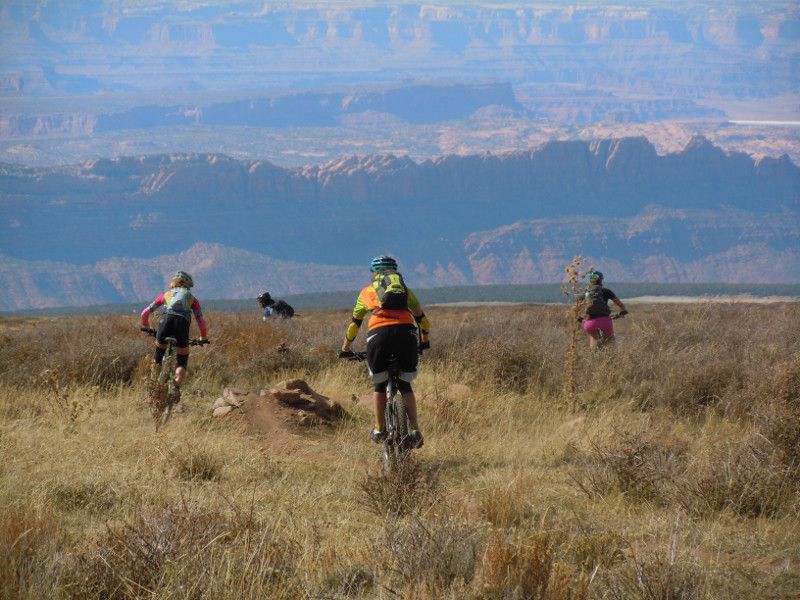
{"x": 573, "y": 289}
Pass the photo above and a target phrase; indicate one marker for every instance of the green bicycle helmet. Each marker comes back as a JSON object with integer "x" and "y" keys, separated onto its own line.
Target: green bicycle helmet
{"x": 595, "y": 277}
{"x": 383, "y": 263}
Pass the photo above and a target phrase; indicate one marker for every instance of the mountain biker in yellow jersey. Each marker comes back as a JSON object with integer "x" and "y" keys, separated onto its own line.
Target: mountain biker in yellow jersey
{"x": 395, "y": 314}
{"x": 597, "y": 314}
{"x": 179, "y": 305}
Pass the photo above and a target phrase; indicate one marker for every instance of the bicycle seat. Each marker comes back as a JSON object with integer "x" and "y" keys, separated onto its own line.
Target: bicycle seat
{"x": 171, "y": 340}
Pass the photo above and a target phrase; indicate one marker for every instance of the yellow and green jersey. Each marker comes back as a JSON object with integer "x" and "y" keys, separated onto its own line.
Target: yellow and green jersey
{"x": 381, "y": 317}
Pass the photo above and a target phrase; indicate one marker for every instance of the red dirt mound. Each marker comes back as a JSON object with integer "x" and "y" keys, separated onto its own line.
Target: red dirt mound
{"x": 281, "y": 412}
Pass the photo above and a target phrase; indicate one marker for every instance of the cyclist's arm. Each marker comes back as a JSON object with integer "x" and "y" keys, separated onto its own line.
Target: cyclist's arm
{"x": 359, "y": 312}
{"x": 201, "y": 321}
{"x": 619, "y": 303}
{"x": 144, "y": 317}
{"x": 419, "y": 316}
{"x": 609, "y": 295}
{"x": 616, "y": 300}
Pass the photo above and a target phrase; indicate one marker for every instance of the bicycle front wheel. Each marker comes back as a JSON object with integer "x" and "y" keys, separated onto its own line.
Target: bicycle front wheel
{"x": 162, "y": 398}
{"x": 166, "y": 413}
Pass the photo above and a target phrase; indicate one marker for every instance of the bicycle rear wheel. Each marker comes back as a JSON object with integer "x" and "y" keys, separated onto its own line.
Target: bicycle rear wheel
{"x": 389, "y": 444}
{"x": 397, "y": 443}
{"x": 401, "y": 416}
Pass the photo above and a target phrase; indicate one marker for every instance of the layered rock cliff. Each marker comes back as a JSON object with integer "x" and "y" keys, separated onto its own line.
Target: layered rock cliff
{"x": 456, "y": 219}
{"x": 658, "y": 245}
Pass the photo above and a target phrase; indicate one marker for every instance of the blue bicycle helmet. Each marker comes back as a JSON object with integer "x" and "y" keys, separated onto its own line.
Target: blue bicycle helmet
{"x": 383, "y": 263}
{"x": 595, "y": 276}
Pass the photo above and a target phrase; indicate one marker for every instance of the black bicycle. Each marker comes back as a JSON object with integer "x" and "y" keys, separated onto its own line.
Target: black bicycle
{"x": 164, "y": 392}
{"x": 397, "y": 443}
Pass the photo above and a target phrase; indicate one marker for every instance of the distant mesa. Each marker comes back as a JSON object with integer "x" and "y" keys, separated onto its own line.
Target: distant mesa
{"x": 418, "y": 104}
{"x": 220, "y": 272}
{"x": 701, "y": 214}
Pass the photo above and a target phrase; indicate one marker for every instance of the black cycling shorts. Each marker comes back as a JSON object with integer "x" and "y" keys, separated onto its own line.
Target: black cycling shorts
{"x": 399, "y": 341}
{"x": 173, "y": 326}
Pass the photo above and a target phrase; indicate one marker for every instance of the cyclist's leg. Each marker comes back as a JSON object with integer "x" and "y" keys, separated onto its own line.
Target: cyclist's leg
{"x": 182, "y": 350}
{"x": 590, "y": 326}
{"x": 410, "y": 401}
{"x": 163, "y": 331}
{"x": 182, "y": 358}
{"x": 379, "y": 400}
{"x": 606, "y": 326}
{"x": 405, "y": 348}
{"x": 608, "y": 330}
{"x": 378, "y": 353}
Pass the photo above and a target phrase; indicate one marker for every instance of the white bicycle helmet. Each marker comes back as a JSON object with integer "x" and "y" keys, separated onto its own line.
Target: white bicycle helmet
{"x": 184, "y": 278}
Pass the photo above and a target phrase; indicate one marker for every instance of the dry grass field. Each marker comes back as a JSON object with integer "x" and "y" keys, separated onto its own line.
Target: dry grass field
{"x": 672, "y": 472}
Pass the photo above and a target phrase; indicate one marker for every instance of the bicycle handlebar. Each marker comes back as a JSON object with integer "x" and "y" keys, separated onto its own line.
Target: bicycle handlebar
{"x": 350, "y": 355}
{"x": 192, "y": 342}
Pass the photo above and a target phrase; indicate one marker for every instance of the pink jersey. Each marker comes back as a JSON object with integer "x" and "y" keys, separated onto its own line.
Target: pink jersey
{"x": 166, "y": 299}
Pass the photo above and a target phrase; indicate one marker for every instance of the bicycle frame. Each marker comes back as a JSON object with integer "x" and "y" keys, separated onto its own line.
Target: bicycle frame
{"x": 162, "y": 410}
{"x": 396, "y": 444}
{"x": 165, "y": 394}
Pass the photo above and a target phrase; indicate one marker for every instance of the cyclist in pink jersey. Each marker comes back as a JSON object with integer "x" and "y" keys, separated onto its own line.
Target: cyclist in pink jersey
{"x": 179, "y": 306}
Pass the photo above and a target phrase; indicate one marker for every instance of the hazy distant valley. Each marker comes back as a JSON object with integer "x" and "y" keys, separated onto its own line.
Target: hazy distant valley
{"x": 306, "y": 84}
{"x": 685, "y": 50}
{"x": 418, "y": 120}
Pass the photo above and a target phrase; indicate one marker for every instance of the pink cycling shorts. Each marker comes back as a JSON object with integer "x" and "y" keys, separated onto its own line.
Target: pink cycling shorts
{"x": 604, "y": 324}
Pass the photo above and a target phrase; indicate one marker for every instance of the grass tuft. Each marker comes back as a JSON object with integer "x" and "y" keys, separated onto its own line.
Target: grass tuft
{"x": 634, "y": 463}
{"x": 83, "y": 495}
{"x": 505, "y": 506}
{"x": 656, "y": 577}
{"x": 409, "y": 488}
{"x": 525, "y": 567}
{"x": 748, "y": 478}
{"x": 197, "y": 464}
{"x": 434, "y": 555}
{"x": 28, "y": 540}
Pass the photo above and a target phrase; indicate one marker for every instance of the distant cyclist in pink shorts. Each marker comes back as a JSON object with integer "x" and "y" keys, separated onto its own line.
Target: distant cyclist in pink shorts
{"x": 597, "y": 314}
